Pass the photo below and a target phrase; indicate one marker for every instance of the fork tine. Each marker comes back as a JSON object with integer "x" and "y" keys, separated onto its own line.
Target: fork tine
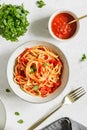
{"x": 75, "y": 91}
{"x": 78, "y": 96}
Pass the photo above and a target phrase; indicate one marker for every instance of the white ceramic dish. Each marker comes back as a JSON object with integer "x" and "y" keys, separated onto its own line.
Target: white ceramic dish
{"x": 2, "y": 116}
{"x": 51, "y": 19}
{"x": 16, "y": 88}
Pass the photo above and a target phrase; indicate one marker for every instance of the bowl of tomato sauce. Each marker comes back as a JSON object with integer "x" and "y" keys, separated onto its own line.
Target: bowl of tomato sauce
{"x": 59, "y": 26}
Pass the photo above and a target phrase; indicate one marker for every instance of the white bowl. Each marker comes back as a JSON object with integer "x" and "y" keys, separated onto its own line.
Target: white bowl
{"x": 16, "y": 88}
{"x": 2, "y": 116}
{"x": 50, "y": 24}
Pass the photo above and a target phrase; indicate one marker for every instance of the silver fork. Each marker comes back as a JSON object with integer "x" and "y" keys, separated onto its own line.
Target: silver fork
{"x": 68, "y": 99}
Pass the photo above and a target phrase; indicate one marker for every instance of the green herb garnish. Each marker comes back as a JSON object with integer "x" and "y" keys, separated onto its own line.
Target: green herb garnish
{"x": 13, "y": 21}
{"x": 83, "y": 57}
{"x": 20, "y": 121}
{"x": 36, "y": 87}
{"x": 40, "y": 3}
{"x": 17, "y": 113}
{"x": 44, "y": 64}
{"x": 33, "y": 69}
{"x": 7, "y": 90}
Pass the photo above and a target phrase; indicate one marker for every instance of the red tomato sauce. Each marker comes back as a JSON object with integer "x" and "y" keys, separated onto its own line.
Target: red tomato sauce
{"x": 61, "y": 28}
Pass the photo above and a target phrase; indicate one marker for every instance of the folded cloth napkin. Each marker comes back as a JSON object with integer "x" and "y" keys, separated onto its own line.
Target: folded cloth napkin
{"x": 65, "y": 124}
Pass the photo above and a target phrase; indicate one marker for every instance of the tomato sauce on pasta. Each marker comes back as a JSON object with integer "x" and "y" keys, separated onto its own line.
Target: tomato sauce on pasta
{"x": 38, "y": 71}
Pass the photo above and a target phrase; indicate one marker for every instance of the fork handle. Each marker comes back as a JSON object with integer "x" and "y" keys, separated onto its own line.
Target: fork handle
{"x": 45, "y": 117}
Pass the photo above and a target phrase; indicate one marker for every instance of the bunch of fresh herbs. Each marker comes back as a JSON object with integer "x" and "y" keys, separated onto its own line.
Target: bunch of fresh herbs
{"x": 13, "y": 21}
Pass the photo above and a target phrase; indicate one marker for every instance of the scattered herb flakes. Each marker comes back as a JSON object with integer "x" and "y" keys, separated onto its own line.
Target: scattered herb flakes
{"x": 13, "y": 21}
{"x": 40, "y": 3}
{"x": 7, "y": 90}
{"x": 83, "y": 57}
{"x": 17, "y": 113}
{"x": 20, "y": 121}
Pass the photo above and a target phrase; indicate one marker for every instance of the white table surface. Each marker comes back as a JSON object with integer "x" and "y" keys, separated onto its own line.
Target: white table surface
{"x": 73, "y": 49}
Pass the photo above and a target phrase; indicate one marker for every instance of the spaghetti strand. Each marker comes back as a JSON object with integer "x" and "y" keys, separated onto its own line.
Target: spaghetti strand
{"x": 38, "y": 71}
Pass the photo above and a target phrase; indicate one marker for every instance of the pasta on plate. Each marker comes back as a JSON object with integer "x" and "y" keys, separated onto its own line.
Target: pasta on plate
{"x": 38, "y": 71}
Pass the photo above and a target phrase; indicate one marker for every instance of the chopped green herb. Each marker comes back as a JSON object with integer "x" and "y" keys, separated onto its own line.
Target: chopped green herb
{"x": 20, "y": 121}
{"x": 36, "y": 88}
{"x": 17, "y": 113}
{"x": 83, "y": 57}
{"x": 40, "y": 3}
{"x": 13, "y": 21}
{"x": 44, "y": 64}
{"x": 33, "y": 69}
{"x": 7, "y": 90}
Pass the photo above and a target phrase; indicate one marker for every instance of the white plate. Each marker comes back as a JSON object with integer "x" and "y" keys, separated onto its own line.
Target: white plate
{"x": 16, "y": 88}
{"x": 2, "y": 116}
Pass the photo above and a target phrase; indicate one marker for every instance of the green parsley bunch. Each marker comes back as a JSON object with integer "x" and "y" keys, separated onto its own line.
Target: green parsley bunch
{"x": 13, "y": 21}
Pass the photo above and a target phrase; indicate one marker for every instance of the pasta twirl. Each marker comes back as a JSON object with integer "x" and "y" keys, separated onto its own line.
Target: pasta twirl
{"x": 38, "y": 71}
